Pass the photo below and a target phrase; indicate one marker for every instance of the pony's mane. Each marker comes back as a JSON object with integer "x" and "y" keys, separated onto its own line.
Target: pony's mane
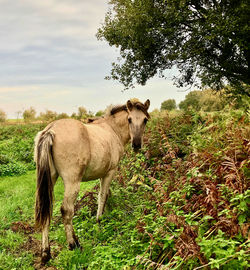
{"x": 119, "y": 108}
{"x": 137, "y": 105}
{"x": 140, "y": 106}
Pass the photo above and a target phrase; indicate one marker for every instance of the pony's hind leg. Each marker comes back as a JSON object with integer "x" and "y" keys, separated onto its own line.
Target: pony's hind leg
{"x": 45, "y": 252}
{"x": 67, "y": 209}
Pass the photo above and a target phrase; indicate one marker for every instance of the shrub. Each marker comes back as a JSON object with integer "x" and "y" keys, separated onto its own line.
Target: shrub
{"x": 186, "y": 195}
{"x": 48, "y": 116}
{"x": 14, "y": 168}
{"x": 169, "y": 105}
{"x": 100, "y": 113}
{"x": 82, "y": 113}
{"x": 16, "y": 148}
{"x": 29, "y": 114}
{"x": 3, "y": 116}
{"x": 206, "y": 100}
{"x": 62, "y": 116}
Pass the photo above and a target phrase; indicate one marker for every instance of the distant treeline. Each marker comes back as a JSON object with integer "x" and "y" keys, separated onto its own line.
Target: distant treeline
{"x": 206, "y": 100}
{"x": 30, "y": 114}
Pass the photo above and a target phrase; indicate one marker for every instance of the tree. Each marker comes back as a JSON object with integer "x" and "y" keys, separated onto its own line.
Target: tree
{"x": 192, "y": 100}
{"x": 82, "y": 113}
{"x": 207, "y": 40}
{"x": 48, "y": 116}
{"x": 29, "y": 114}
{"x": 3, "y": 116}
{"x": 206, "y": 100}
{"x": 62, "y": 116}
{"x": 210, "y": 101}
{"x": 18, "y": 114}
{"x": 100, "y": 113}
{"x": 73, "y": 115}
{"x": 169, "y": 104}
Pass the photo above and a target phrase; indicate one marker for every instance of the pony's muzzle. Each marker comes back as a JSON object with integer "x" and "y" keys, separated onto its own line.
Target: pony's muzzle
{"x": 136, "y": 144}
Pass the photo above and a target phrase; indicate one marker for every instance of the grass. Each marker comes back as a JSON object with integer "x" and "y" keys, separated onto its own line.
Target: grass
{"x": 17, "y": 198}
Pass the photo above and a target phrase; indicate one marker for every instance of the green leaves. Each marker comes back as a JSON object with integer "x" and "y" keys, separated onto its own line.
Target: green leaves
{"x": 241, "y": 202}
{"x": 206, "y": 41}
{"x": 16, "y": 148}
{"x": 220, "y": 251}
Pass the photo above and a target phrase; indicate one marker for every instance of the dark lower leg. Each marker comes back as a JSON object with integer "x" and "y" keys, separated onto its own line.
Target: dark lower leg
{"x": 45, "y": 252}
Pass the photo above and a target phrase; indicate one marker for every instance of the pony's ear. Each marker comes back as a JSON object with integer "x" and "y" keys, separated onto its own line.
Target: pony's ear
{"x": 147, "y": 104}
{"x": 129, "y": 105}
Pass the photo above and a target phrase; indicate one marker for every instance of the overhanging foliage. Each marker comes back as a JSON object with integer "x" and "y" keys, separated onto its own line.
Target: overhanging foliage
{"x": 207, "y": 40}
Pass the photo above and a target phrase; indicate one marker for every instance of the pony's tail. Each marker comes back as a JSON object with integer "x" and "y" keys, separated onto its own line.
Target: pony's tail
{"x": 44, "y": 188}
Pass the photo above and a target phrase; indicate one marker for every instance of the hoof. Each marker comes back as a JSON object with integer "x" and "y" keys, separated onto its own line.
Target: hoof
{"x": 46, "y": 256}
{"x": 75, "y": 244}
{"x": 98, "y": 220}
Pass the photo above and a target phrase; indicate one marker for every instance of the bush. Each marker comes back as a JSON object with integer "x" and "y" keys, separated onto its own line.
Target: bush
{"x": 3, "y": 116}
{"x": 48, "y": 116}
{"x": 184, "y": 198}
{"x": 14, "y": 168}
{"x": 99, "y": 113}
{"x": 62, "y": 116}
{"x": 29, "y": 114}
{"x": 169, "y": 104}
{"x": 17, "y": 147}
{"x": 82, "y": 113}
{"x": 206, "y": 100}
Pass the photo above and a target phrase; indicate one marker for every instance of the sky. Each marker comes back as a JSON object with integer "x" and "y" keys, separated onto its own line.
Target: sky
{"x": 51, "y": 59}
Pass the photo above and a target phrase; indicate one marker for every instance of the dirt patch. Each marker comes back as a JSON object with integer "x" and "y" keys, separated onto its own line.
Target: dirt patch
{"x": 22, "y": 227}
{"x": 33, "y": 246}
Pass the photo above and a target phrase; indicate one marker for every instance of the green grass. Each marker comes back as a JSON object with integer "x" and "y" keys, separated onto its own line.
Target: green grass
{"x": 17, "y": 199}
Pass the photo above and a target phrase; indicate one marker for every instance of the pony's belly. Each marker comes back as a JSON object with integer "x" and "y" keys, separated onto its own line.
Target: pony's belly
{"x": 98, "y": 167}
{"x": 92, "y": 174}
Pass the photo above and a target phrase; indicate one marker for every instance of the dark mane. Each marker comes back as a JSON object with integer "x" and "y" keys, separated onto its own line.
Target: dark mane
{"x": 92, "y": 120}
{"x": 118, "y": 108}
{"x": 137, "y": 105}
{"x": 141, "y": 107}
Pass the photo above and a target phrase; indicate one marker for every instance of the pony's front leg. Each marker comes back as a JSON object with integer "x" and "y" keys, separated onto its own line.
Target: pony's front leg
{"x": 67, "y": 210}
{"x": 104, "y": 191}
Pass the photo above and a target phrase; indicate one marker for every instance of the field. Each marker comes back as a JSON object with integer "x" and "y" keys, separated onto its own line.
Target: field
{"x": 181, "y": 203}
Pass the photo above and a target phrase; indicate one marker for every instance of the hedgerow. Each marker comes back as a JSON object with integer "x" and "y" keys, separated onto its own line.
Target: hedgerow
{"x": 182, "y": 203}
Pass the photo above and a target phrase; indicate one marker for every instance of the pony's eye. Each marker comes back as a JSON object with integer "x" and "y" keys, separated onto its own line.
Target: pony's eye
{"x": 130, "y": 120}
{"x": 145, "y": 121}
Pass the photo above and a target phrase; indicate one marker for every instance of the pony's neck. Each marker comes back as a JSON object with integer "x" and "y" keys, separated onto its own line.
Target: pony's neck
{"x": 119, "y": 123}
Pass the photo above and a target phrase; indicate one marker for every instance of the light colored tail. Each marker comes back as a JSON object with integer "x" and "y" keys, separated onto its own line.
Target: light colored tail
{"x": 44, "y": 188}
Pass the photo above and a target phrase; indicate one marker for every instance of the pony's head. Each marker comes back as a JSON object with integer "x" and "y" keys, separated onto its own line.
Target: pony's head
{"x": 137, "y": 120}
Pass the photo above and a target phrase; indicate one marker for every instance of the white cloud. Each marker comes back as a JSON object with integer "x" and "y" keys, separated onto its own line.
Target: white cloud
{"x": 50, "y": 58}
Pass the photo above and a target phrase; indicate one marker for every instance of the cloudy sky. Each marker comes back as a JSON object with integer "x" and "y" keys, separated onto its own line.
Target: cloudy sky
{"x": 51, "y": 59}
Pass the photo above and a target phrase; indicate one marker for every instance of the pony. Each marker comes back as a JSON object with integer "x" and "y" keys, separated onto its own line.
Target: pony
{"x": 82, "y": 152}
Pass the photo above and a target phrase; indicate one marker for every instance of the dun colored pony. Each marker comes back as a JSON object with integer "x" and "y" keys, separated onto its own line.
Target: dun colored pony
{"x": 82, "y": 152}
